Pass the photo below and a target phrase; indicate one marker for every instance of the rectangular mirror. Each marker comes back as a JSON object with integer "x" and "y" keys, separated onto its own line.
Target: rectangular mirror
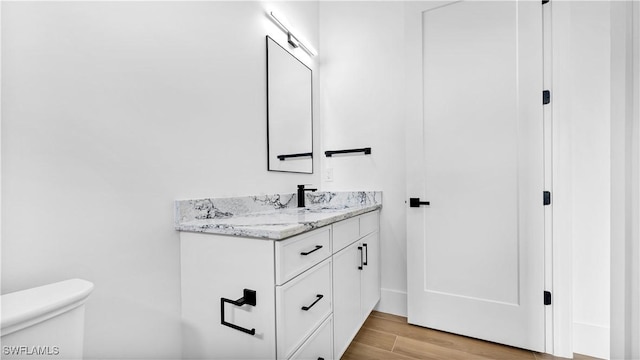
{"x": 289, "y": 111}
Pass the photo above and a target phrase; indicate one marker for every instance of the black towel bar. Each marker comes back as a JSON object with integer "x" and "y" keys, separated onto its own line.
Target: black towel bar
{"x": 366, "y": 151}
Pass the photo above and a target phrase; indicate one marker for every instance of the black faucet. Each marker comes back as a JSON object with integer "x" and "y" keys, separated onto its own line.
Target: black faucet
{"x": 301, "y": 191}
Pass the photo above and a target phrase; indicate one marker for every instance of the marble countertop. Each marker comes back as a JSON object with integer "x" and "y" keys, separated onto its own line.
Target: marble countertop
{"x": 275, "y": 216}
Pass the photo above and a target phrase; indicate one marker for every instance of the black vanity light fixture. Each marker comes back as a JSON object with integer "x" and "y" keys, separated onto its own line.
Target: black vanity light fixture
{"x": 366, "y": 151}
{"x": 294, "y": 40}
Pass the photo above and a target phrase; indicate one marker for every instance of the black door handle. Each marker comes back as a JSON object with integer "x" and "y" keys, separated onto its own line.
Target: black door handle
{"x": 361, "y": 259}
{"x": 318, "y": 297}
{"x": 249, "y": 298}
{"x": 415, "y": 202}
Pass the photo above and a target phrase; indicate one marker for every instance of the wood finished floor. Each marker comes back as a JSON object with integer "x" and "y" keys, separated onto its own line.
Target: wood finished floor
{"x": 389, "y": 337}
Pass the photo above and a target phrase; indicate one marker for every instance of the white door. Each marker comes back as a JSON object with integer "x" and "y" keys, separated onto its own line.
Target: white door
{"x": 475, "y": 152}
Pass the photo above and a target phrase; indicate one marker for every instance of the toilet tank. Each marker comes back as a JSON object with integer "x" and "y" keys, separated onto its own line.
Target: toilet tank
{"x": 45, "y": 322}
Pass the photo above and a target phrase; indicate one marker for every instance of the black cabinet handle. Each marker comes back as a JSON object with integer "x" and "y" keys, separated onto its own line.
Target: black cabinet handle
{"x": 361, "y": 260}
{"x": 320, "y": 358}
{"x": 318, "y": 297}
{"x": 249, "y": 298}
{"x": 366, "y": 256}
{"x": 318, "y": 247}
{"x": 415, "y": 202}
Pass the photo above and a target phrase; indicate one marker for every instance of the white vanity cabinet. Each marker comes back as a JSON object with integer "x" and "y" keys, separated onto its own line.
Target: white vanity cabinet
{"x": 298, "y": 298}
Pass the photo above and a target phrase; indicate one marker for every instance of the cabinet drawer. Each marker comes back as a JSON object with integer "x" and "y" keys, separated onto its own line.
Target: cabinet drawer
{"x": 345, "y": 232}
{"x": 368, "y": 223}
{"x": 295, "y": 255}
{"x": 301, "y": 306}
{"x": 319, "y": 345}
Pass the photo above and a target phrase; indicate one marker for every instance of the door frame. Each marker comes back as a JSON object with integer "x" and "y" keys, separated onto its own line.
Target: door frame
{"x": 625, "y": 180}
{"x": 561, "y": 258}
{"x": 625, "y": 160}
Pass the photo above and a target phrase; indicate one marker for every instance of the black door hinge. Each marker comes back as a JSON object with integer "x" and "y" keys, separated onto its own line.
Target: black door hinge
{"x": 547, "y": 297}
{"x": 544, "y": 1}
{"x": 546, "y": 198}
{"x": 546, "y": 97}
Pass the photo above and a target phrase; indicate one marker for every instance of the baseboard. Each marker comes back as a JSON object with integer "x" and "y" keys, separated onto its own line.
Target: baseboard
{"x": 591, "y": 340}
{"x": 393, "y": 302}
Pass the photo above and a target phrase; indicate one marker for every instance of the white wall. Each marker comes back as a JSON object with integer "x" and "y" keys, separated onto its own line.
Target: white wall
{"x": 110, "y": 112}
{"x": 591, "y": 175}
{"x": 361, "y": 91}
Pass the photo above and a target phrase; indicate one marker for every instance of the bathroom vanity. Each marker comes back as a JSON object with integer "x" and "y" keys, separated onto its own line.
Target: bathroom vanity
{"x": 263, "y": 279}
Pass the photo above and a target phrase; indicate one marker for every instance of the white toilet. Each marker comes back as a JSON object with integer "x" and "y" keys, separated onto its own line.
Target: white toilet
{"x": 46, "y": 322}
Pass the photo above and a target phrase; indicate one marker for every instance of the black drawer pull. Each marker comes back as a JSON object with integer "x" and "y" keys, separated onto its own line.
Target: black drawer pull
{"x": 249, "y": 298}
{"x": 366, "y": 256}
{"x": 361, "y": 260}
{"x": 306, "y": 308}
{"x": 320, "y": 358}
{"x": 318, "y": 247}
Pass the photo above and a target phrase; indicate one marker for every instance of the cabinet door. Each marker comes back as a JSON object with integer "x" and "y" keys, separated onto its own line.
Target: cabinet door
{"x": 370, "y": 273}
{"x": 346, "y": 296}
{"x": 215, "y": 267}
